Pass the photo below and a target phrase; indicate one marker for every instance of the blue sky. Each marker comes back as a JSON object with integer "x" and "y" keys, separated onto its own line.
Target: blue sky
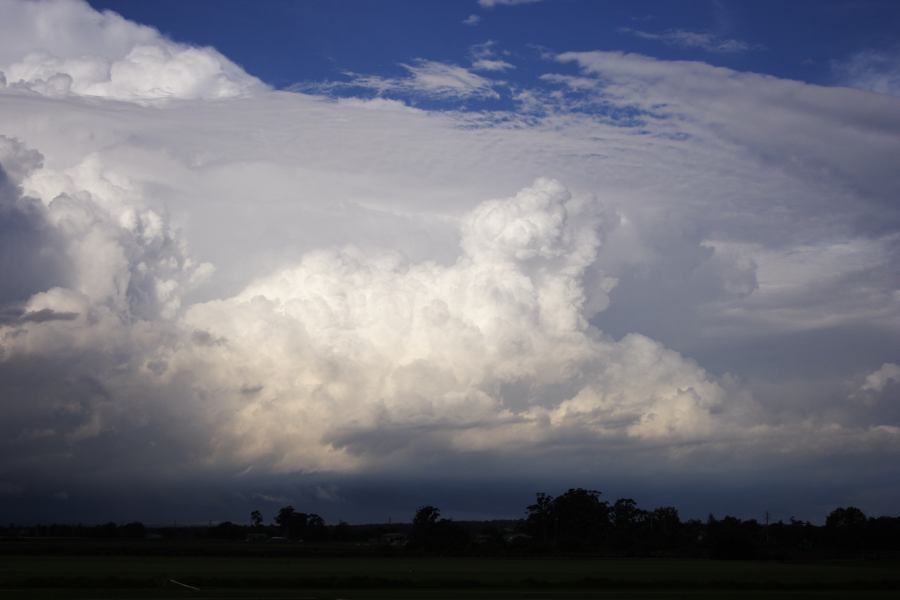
{"x": 361, "y": 256}
{"x": 288, "y": 42}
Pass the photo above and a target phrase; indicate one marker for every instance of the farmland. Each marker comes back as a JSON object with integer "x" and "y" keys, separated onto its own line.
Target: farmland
{"x": 92, "y": 574}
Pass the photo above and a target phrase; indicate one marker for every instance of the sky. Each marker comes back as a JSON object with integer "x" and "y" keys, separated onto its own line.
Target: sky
{"x": 362, "y": 256}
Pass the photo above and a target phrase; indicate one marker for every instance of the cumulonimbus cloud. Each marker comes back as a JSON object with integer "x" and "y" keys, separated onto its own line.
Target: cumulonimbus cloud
{"x": 304, "y": 362}
{"x": 383, "y": 296}
{"x": 360, "y": 342}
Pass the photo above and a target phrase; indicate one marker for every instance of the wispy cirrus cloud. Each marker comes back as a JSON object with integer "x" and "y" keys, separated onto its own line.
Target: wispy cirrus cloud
{"x": 447, "y": 80}
{"x": 870, "y": 70}
{"x": 493, "y": 3}
{"x": 427, "y": 78}
{"x": 702, "y": 40}
{"x": 488, "y": 56}
{"x": 486, "y": 64}
{"x": 472, "y": 20}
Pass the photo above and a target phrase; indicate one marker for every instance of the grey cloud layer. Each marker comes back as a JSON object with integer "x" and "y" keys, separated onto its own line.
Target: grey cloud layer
{"x": 286, "y": 283}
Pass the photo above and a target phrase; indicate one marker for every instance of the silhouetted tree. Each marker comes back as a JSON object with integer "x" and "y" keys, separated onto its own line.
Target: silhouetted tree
{"x": 424, "y": 525}
{"x": 626, "y": 519}
{"x": 285, "y": 513}
{"x": 539, "y": 522}
{"x": 314, "y": 528}
{"x": 434, "y": 535}
{"x": 298, "y": 525}
{"x": 426, "y": 516}
{"x": 573, "y": 520}
{"x": 883, "y": 534}
{"x": 256, "y": 519}
{"x": 581, "y": 518}
{"x": 625, "y": 513}
{"x": 846, "y": 528}
{"x": 664, "y": 529}
{"x": 845, "y": 518}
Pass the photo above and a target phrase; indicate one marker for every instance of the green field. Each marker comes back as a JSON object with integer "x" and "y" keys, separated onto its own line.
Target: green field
{"x": 56, "y": 576}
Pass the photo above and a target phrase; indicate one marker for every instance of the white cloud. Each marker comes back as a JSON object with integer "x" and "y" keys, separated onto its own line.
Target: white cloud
{"x": 493, "y": 3}
{"x": 472, "y": 20}
{"x": 441, "y": 79}
{"x": 693, "y": 39}
{"x": 426, "y": 78}
{"x": 815, "y": 286}
{"x": 486, "y": 64}
{"x": 486, "y": 56}
{"x": 120, "y": 253}
{"x": 692, "y": 97}
{"x": 103, "y": 55}
{"x": 571, "y": 81}
{"x": 871, "y": 70}
{"x": 394, "y": 343}
{"x": 822, "y": 266}
{"x": 877, "y": 380}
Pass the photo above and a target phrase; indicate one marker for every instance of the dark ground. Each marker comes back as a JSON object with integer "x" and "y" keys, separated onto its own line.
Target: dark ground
{"x": 91, "y": 569}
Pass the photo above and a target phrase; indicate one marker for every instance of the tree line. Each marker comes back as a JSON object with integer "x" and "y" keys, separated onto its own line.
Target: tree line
{"x": 578, "y": 521}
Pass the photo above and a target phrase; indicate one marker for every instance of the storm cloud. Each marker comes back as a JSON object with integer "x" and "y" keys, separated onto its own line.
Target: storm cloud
{"x": 207, "y": 282}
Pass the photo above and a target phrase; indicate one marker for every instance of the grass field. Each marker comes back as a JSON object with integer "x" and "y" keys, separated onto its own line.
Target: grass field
{"x": 50, "y": 576}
